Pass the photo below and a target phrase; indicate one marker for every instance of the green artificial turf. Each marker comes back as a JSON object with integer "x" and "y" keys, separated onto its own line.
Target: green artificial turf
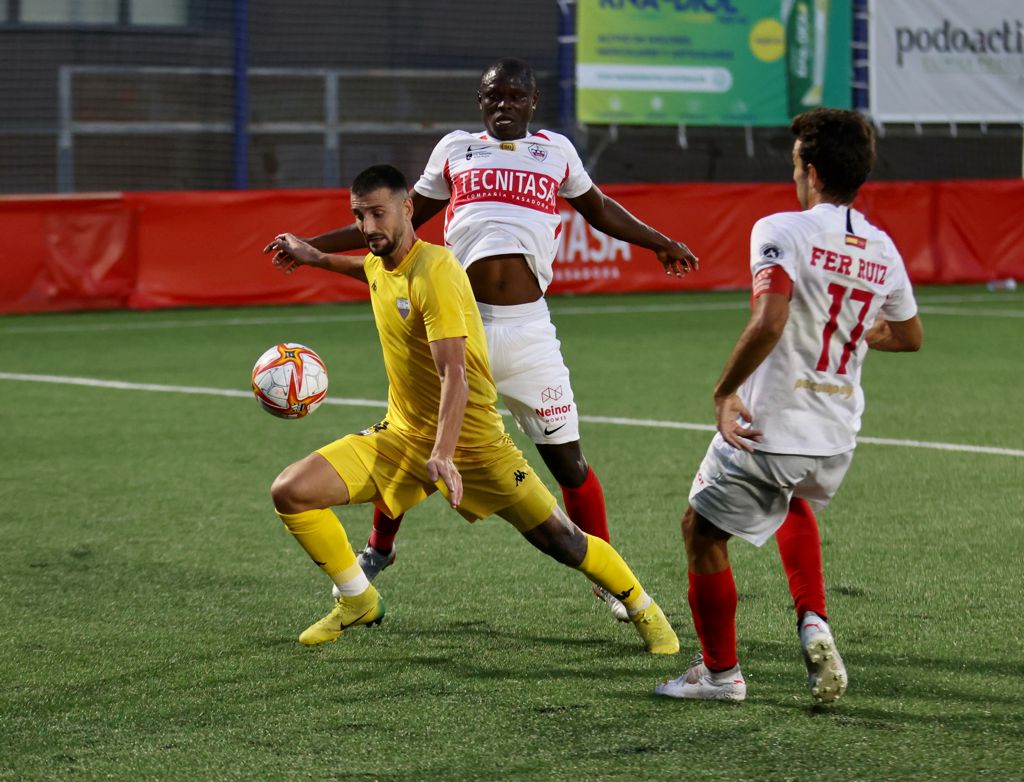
{"x": 151, "y": 599}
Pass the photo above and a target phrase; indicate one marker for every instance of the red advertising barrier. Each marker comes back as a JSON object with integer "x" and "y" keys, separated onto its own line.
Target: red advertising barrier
{"x": 713, "y": 220}
{"x": 152, "y": 250}
{"x": 205, "y": 249}
{"x": 66, "y": 253}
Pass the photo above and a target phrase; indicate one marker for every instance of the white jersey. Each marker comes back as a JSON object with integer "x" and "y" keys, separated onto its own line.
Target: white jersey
{"x": 502, "y": 194}
{"x": 806, "y": 395}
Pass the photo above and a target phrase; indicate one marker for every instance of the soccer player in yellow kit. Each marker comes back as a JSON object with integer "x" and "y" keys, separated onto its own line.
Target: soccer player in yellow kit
{"x": 442, "y": 429}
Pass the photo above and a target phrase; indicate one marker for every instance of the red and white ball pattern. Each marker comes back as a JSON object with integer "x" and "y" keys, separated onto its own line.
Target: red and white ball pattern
{"x": 289, "y": 380}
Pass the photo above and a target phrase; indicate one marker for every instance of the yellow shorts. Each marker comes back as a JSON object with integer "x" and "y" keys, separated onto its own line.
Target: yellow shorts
{"x": 389, "y": 468}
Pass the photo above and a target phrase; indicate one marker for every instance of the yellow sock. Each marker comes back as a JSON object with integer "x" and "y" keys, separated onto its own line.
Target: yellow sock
{"x": 605, "y": 567}
{"x": 323, "y": 537}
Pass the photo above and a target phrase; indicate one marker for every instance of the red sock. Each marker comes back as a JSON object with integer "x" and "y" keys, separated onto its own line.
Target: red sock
{"x": 585, "y": 506}
{"x": 382, "y": 537}
{"x": 713, "y": 602}
{"x": 800, "y": 549}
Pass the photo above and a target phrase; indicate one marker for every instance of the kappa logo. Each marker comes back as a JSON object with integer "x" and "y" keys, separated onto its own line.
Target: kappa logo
{"x": 381, "y": 427}
{"x": 538, "y": 152}
{"x": 520, "y": 476}
{"x": 403, "y": 307}
{"x": 624, "y": 595}
{"x": 373, "y": 286}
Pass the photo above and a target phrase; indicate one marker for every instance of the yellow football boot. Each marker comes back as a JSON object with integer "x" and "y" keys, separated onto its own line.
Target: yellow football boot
{"x": 653, "y": 626}
{"x": 365, "y": 609}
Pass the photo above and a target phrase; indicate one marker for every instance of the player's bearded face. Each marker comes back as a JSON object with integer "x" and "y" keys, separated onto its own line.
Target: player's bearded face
{"x": 381, "y": 220}
{"x": 506, "y": 106}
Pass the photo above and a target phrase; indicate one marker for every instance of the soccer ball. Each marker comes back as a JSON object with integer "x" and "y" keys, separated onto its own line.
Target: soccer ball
{"x": 289, "y": 380}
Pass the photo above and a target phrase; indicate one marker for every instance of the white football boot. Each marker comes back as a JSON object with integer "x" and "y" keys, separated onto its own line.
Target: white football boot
{"x": 617, "y": 608}
{"x": 372, "y": 561}
{"x": 826, "y": 674}
{"x": 699, "y": 683}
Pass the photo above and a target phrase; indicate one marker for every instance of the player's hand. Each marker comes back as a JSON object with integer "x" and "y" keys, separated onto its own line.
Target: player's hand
{"x": 290, "y": 252}
{"x": 445, "y": 470}
{"x": 878, "y": 334}
{"x": 733, "y": 419}
{"x": 677, "y": 259}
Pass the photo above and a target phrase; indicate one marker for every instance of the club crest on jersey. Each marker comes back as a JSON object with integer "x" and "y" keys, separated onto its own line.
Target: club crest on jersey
{"x": 508, "y": 146}
{"x": 856, "y": 241}
{"x": 403, "y": 307}
{"x": 774, "y": 252}
{"x": 538, "y": 152}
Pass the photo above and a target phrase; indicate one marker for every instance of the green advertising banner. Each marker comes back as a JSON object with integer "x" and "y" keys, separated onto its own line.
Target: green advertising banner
{"x": 710, "y": 62}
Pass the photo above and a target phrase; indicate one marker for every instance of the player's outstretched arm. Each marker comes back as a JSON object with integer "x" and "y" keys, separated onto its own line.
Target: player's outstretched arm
{"x": 339, "y": 240}
{"x": 450, "y": 359}
{"x": 896, "y": 336}
{"x": 424, "y": 208}
{"x": 762, "y": 332}
{"x": 349, "y": 237}
{"x": 609, "y": 216}
{"x": 290, "y": 252}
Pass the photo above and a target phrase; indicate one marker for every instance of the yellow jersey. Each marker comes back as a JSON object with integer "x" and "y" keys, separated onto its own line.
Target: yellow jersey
{"x": 428, "y": 297}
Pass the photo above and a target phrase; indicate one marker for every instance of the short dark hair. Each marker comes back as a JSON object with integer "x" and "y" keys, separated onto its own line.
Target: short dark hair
{"x": 840, "y": 144}
{"x": 376, "y": 177}
{"x": 514, "y": 69}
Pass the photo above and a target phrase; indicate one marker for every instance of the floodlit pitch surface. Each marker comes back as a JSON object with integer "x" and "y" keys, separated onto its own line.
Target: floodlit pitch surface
{"x": 151, "y": 599}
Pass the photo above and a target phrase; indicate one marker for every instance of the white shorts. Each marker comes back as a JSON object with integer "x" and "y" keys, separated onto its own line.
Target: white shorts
{"x": 526, "y": 361}
{"x": 747, "y": 494}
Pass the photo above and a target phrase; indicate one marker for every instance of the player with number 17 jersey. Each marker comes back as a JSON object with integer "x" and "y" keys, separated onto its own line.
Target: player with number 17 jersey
{"x": 840, "y": 273}
{"x": 827, "y": 287}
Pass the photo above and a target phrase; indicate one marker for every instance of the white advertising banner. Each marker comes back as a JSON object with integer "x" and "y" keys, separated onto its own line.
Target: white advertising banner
{"x": 946, "y": 60}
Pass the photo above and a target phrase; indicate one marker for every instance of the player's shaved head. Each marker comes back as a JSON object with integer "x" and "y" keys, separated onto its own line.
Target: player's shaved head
{"x": 378, "y": 177}
{"x": 513, "y": 69}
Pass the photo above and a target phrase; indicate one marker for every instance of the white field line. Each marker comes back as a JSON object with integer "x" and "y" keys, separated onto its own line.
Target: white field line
{"x": 142, "y": 325}
{"x": 376, "y": 403}
{"x": 558, "y": 310}
{"x": 121, "y": 385}
{"x": 971, "y": 312}
{"x": 1001, "y": 297}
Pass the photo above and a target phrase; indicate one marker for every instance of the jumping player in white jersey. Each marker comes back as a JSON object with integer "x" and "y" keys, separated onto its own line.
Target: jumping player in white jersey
{"x": 499, "y": 186}
{"x": 827, "y": 285}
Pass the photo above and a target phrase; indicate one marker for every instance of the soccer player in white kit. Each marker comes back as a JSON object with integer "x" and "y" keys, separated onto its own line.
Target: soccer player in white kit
{"x": 499, "y": 188}
{"x": 827, "y": 286}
